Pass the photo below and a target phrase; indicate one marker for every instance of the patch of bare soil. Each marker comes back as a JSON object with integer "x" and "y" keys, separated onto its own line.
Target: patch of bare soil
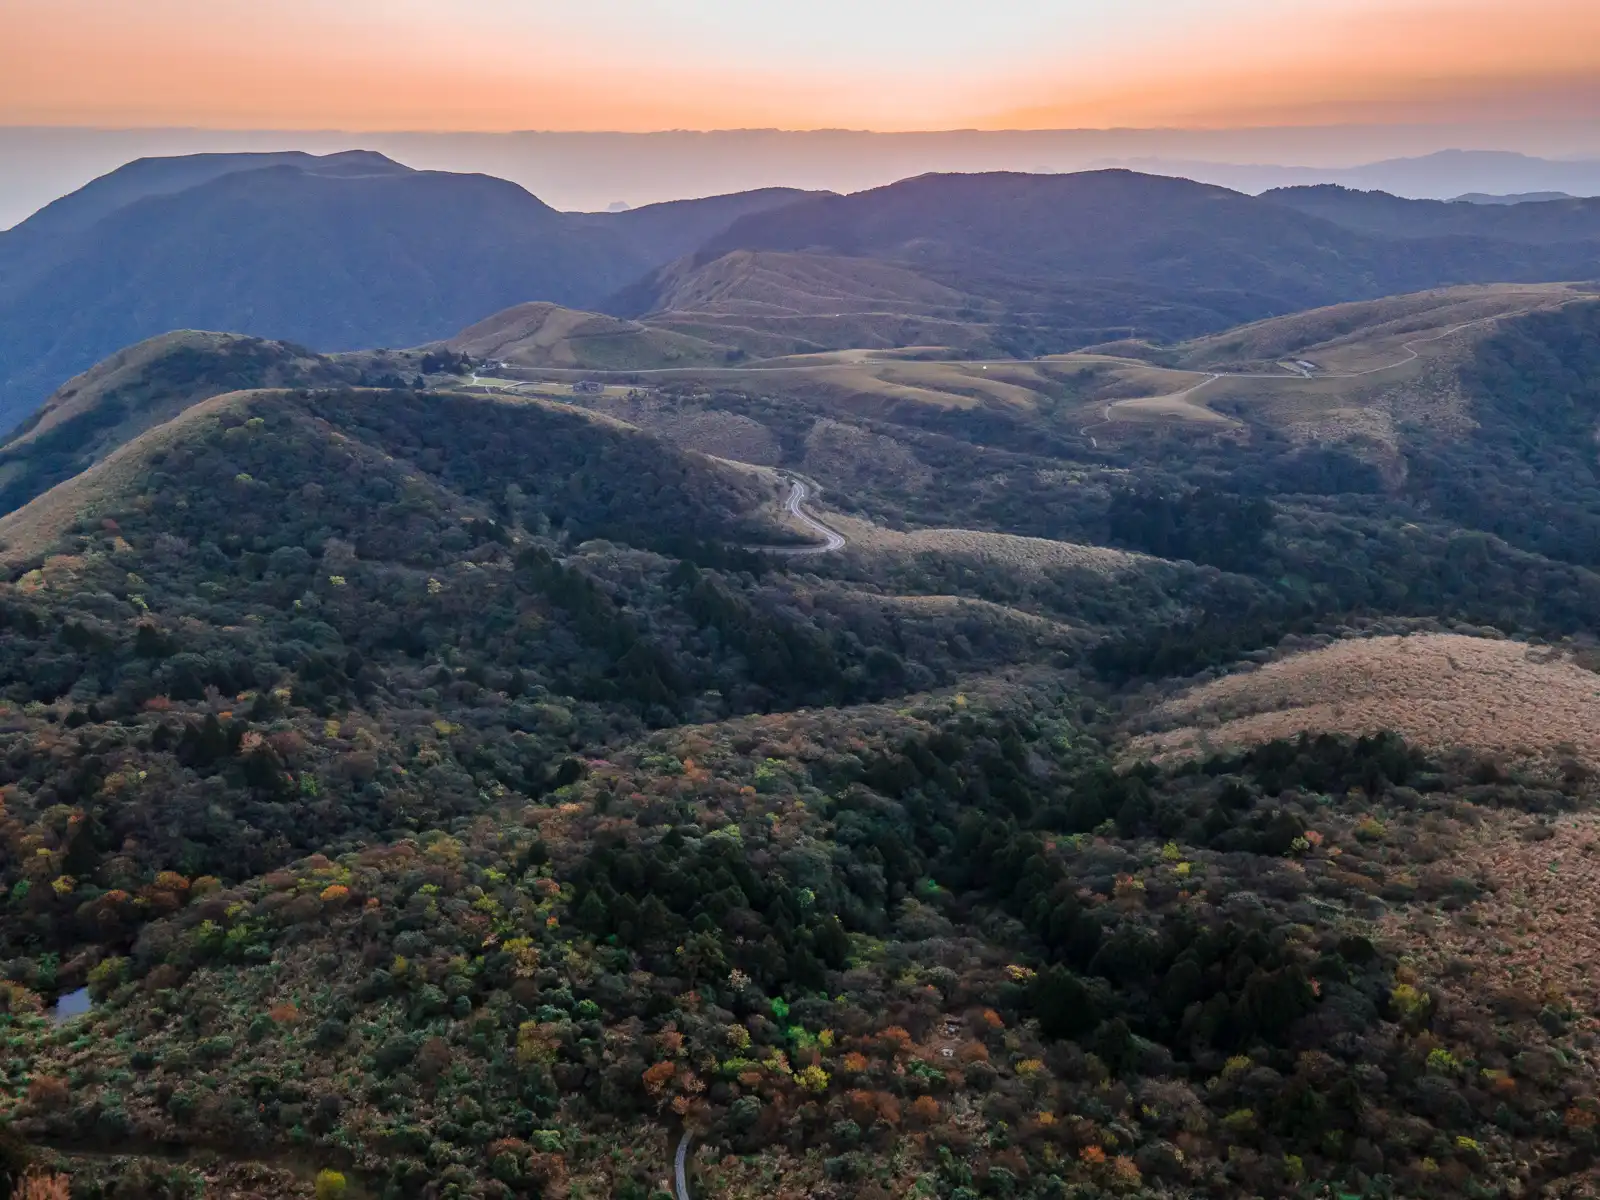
{"x": 1439, "y": 691}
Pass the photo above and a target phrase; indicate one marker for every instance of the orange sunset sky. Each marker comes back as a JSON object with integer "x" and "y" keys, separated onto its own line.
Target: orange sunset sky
{"x": 878, "y": 64}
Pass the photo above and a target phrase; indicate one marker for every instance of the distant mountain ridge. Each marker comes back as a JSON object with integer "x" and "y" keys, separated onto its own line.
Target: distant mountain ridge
{"x": 338, "y": 253}
{"x": 1515, "y": 198}
{"x": 1062, "y": 261}
{"x": 356, "y": 251}
{"x": 1442, "y": 175}
{"x": 165, "y": 176}
{"x": 1533, "y": 222}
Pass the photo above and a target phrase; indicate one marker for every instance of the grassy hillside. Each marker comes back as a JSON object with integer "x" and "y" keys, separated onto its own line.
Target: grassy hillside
{"x": 1440, "y": 691}
{"x": 356, "y": 251}
{"x": 546, "y": 335}
{"x": 139, "y": 388}
{"x": 1346, "y": 338}
{"x": 1073, "y": 254}
{"x": 149, "y": 383}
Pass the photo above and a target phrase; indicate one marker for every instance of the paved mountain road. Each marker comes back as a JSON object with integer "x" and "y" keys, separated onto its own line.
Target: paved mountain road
{"x": 679, "y": 1177}
{"x": 798, "y": 496}
{"x": 799, "y": 493}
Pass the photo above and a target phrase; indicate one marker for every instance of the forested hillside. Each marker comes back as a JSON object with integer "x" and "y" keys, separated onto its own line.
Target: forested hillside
{"x": 474, "y": 793}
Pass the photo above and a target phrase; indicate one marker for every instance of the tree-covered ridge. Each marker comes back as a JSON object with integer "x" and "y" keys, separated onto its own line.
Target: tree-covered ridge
{"x": 436, "y": 787}
{"x": 303, "y": 623}
{"x": 1528, "y": 472}
{"x": 869, "y": 947}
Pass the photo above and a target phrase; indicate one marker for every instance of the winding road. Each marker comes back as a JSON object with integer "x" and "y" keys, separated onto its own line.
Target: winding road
{"x": 799, "y": 493}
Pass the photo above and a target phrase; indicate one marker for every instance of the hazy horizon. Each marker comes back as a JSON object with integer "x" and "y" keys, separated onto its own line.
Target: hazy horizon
{"x": 580, "y": 171}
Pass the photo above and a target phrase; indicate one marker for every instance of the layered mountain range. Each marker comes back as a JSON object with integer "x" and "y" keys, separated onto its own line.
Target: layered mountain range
{"x": 354, "y": 250}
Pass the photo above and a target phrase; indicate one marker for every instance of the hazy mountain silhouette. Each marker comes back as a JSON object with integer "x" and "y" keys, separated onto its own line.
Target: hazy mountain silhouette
{"x": 1439, "y": 176}
{"x": 1515, "y": 198}
{"x": 1159, "y": 256}
{"x": 1539, "y": 222}
{"x": 343, "y": 252}
{"x": 356, "y": 251}
{"x": 165, "y": 176}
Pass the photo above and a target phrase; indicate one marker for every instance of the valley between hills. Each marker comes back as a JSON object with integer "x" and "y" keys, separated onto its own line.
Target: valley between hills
{"x": 999, "y": 686}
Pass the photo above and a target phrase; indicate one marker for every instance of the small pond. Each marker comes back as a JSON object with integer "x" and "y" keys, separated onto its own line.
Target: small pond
{"x": 71, "y": 1004}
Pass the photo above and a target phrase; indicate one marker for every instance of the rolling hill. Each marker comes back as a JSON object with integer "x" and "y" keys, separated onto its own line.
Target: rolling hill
{"x": 1042, "y": 264}
{"x": 547, "y": 335}
{"x": 1442, "y": 691}
{"x": 338, "y": 253}
{"x": 356, "y": 251}
{"x": 1121, "y": 225}
{"x": 154, "y": 381}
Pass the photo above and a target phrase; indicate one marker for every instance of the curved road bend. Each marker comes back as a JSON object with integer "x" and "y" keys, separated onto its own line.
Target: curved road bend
{"x": 798, "y": 494}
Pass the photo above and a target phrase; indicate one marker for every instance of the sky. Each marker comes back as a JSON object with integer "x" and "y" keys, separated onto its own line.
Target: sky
{"x": 891, "y": 65}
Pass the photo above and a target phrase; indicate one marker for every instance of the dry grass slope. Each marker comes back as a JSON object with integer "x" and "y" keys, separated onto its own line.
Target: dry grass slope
{"x": 1027, "y": 553}
{"x": 1440, "y": 691}
{"x": 755, "y": 283}
{"x": 547, "y": 335}
{"x": 1533, "y": 938}
{"x": 1367, "y": 333}
{"x": 36, "y": 527}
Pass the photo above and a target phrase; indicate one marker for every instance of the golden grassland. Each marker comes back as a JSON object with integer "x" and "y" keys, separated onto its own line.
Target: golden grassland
{"x": 1376, "y": 365}
{"x": 1440, "y": 691}
{"x": 754, "y": 283}
{"x": 1370, "y": 333}
{"x": 547, "y": 335}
